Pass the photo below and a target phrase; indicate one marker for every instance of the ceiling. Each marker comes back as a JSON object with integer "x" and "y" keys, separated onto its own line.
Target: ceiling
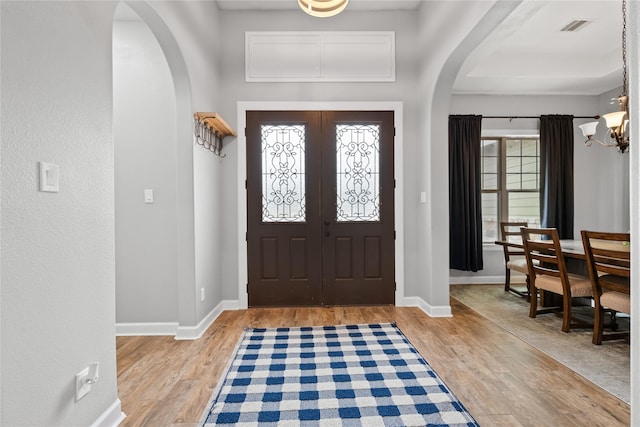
{"x": 527, "y": 53}
{"x": 293, "y": 4}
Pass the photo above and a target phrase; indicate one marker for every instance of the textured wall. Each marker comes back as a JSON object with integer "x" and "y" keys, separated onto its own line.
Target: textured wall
{"x": 57, "y": 248}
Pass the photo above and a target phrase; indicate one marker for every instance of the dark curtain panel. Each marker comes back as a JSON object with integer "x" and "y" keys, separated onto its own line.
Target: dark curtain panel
{"x": 556, "y": 173}
{"x": 465, "y": 214}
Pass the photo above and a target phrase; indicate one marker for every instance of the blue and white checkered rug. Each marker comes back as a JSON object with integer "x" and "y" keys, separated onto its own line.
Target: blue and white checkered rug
{"x": 356, "y": 375}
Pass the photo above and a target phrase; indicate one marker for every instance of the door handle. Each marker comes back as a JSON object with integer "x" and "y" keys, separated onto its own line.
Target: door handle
{"x": 327, "y": 234}
{"x": 327, "y": 223}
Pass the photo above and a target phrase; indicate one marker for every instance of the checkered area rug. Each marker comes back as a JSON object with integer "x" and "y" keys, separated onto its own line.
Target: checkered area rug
{"x": 355, "y": 375}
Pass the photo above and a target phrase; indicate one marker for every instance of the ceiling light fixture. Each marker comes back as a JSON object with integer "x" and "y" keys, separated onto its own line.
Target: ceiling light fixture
{"x": 323, "y": 8}
{"x": 618, "y": 121}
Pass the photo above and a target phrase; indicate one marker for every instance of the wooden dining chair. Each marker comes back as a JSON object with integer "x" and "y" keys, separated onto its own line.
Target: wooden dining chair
{"x": 609, "y": 265}
{"x": 514, "y": 258}
{"x": 548, "y": 272}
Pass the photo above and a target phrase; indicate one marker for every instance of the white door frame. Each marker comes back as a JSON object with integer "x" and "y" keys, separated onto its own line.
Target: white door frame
{"x": 243, "y": 107}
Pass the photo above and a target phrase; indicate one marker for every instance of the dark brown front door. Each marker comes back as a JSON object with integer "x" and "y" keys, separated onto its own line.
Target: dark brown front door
{"x": 320, "y": 208}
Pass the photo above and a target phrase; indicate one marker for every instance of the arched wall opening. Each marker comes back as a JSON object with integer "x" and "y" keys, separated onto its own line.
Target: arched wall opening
{"x": 155, "y": 270}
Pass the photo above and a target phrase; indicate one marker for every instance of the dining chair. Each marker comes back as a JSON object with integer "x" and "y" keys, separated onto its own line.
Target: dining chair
{"x": 514, "y": 258}
{"x": 548, "y": 273}
{"x": 609, "y": 265}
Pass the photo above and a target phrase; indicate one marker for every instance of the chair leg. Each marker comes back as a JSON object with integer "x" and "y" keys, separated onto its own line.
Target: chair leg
{"x": 566, "y": 314}
{"x": 507, "y": 279}
{"x": 614, "y": 321}
{"x": 528, "y": 288}
{"x": 598, "y": 325}
{"x": 533, "y": 303}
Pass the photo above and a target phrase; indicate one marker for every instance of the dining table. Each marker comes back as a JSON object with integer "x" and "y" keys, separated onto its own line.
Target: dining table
{"x": 571, "y": 248}
{"x": 575, "y": 261}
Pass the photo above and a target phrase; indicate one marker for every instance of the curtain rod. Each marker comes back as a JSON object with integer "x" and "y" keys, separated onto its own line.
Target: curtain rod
{"x": 534, "y": 117}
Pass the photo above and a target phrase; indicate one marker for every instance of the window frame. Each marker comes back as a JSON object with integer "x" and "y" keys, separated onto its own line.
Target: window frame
{"x": 501, "y": 191}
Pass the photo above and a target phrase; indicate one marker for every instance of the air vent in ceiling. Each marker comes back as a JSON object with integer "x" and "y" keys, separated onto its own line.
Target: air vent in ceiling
{"x": 575, "y": 25}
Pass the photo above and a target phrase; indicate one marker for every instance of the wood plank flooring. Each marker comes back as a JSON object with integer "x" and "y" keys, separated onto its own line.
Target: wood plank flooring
{"x": 500, "y": 379}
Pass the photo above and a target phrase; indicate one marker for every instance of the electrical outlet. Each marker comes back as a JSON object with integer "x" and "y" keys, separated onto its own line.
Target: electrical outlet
{"x": 85, "y": 378}
{"x": 82, "y": 386}
{"x": 201, "y": 294}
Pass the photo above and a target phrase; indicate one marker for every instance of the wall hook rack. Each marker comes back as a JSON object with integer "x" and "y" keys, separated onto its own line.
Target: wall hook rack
{"x": 209, "y": 130}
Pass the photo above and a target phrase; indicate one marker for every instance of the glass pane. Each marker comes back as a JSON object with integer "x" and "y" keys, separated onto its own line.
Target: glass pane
{"x": 514, "y": 148}
{"x": 514, "y": 181}
{"x": 525, "y": 207}
{"x": 529, "y": 181}
{"x": 530, "y": 147}
{"x": 489, "y": 181}
{"x": 283, "y": 173}
{"x": 490, "y": 165}
{"x": 357, "y": 172}
{"x": 514, "y": 165}
{"x": 490, "y": 147}
{"x": 490, "y": 217}
{"x": 529, "y": 164}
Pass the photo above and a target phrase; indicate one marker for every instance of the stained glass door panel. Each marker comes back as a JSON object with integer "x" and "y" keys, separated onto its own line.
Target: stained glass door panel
{"x": 357, "y": 202}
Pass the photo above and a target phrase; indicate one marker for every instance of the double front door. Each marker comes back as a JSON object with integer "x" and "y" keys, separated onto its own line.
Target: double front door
{"x": 320, "y": 191}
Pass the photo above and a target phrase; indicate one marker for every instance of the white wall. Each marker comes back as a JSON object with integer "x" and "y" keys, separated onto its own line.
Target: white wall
{"x": 144, "y": 110}
{"x": 601, "y": 199}
{"x": 57, "y": 248}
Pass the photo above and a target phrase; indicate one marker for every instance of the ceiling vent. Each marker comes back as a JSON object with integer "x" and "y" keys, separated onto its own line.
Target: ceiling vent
{"x": 575, "y": 25}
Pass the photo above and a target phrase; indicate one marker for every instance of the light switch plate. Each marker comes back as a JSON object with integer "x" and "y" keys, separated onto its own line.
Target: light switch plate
{"x": 148, "y": 196}
{"x": 49, "y": 177}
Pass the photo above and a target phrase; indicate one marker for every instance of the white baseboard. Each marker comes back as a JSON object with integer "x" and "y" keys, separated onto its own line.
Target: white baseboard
{"x": 112, "y": 417}
{"x": 146, "y": 329}
{"x": 482, "y": 280}
{"x": 173, "y": 328}
{"x": 195, "y": 332}
{"x": 430, "y": 310}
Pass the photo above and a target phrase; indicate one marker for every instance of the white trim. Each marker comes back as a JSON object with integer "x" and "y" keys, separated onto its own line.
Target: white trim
{"x": 243, "y": 107}
{"x": 480, "y": 280}
{"x": 146, "y": 329}
{"x": 195, "y": 332}
{"x": 430, "y": 310}
{"x": 173, "y": 328}
{"x": 112, "y": 417}
{"x": 510, "y": 133}
{"x": 318, "y": 56}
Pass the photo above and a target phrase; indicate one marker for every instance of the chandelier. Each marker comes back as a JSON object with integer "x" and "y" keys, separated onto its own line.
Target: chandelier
{"x": 618, "y": 121}
{"x": 323, "y": 8}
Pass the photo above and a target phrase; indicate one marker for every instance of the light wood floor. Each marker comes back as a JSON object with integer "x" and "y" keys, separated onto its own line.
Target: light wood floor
{"x": 501, "y": 380}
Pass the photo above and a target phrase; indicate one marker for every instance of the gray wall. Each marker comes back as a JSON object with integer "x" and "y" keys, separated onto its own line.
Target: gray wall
{"x": 235, "y": 89}
{"x": 176, "y": 240}
{"x": 144, "y": 111}
{"x": 200, "y": 44}
{"x": 57, "y": 263}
